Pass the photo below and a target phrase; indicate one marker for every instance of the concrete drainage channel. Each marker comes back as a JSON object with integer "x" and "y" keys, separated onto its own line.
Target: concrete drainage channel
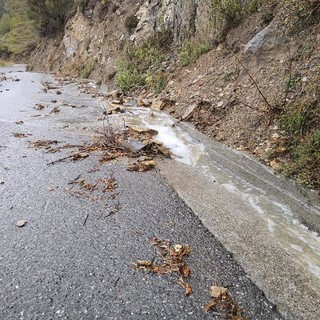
{"x": 267, "y": 222}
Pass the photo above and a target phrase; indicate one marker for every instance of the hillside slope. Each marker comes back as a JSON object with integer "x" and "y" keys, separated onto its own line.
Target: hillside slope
{"x": 245, "y": 73}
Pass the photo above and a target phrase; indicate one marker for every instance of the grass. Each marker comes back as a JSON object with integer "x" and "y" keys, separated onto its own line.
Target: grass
{"x": 191, "y": 51}
{"x": 86, "y": 70}
{"x": 302, "y": 126}
{"x": 140, "y": 66}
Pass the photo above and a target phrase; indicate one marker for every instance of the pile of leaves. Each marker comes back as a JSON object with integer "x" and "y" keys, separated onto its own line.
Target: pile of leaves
{"x": 171, "y": 261}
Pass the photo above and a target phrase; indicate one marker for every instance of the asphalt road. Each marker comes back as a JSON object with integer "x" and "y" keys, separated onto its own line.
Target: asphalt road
{"x": 73, "y": 259}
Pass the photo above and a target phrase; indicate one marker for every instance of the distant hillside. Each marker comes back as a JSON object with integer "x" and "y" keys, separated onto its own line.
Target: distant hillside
{"x": 18, "y": 34}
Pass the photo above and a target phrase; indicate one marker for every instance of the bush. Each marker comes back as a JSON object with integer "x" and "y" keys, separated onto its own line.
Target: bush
{"x": 86, "y": 70}
{"x": 226, "y": 14}
{"x": 139, "y": 67}
{"x": 51, "y": 15}
{"x": 302, "y": 125}
{"x": 131, "y": 23}
{"x": 191, "y": 51}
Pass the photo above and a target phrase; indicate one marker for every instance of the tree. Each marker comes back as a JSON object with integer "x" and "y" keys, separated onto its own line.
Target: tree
{"x": 51, "y": 15}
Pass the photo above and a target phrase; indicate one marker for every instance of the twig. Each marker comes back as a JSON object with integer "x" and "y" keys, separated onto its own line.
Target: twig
{"x": 256, "y": 85}
{"x": 116, "y": 282}
{"x": 85, "y": 220}
{"x": 59, "y": 160}
{"x": 249, "y": 106}
{"x": 75, "y": 180}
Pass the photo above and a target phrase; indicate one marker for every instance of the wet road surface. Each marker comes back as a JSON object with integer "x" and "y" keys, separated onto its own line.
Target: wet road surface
{"x": 73, "y": 259}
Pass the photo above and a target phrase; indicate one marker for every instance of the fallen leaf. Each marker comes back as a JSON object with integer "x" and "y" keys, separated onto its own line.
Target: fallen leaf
{"x": 144, "y": 263}
{"x": 19, "y": 135}
{"x": 209, "y": 305}
{"x": 188, "y": 289}
{"x": 21, "y": 223}
{"x": 185, "y": 271}
{"x": 80, "y": 155}
{"x": 218, "y": 292}
{"x": 186, "y": 285}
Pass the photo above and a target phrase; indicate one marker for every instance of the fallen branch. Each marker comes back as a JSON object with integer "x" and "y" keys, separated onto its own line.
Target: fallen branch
{"x": 257, "y": 86}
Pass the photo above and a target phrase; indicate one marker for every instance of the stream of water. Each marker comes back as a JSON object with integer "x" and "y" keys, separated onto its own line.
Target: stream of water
{"x": 280, "y": 220}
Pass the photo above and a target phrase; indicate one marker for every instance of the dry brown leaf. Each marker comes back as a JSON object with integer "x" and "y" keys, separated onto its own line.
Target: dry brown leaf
{"x": 19, "y": 135}
{"x": 218, "y": 292}
{"x": 210, "y": 305}
{"x": 185, "y": 271}
{"x": 188, "y": 289}
{"x": 144, "y": 263}
{"x": 80, "y": 155}
{"x": 186, "y": 285}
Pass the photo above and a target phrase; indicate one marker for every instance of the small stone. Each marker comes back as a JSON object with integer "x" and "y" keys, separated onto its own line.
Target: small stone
{"x": 21, "y": 223}
{"x": 158, "y": 105}
{"x": 220, "y": 104}
{"x": 190, "y": 112}
{"x": 1, "y": 182}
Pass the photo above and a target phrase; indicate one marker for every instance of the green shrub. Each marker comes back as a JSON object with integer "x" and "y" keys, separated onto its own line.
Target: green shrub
{"x": 253, "y": 6}
{"x": 191, "y": 51}
{"x": 131, "y": 23}
{"x": 226, "y": 14}
{"x": 296, "y": 119}
{"x": 302, "y": 125}
{"x": 139, "y": 67}
{"x": 306, "y": 160}
{"x": 156, "y": 81}
{"x": 86, "y": 70}
{"x": 293, "y": 82}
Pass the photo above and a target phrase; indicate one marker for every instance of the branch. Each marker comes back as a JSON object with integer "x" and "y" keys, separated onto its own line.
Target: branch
{"x": 256, "y": 85}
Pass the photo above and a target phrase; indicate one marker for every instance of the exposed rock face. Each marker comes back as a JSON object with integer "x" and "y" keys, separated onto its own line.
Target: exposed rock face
{"x": 181, "y": 17}
{"x": 98, "y": 34}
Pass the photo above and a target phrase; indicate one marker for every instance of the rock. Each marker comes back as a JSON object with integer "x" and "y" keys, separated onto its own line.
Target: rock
{"x": 40, "y": 106}
{"x": 1, "y": 182}
{"x": 114, "y": 109}
{"x": 256, "y": 42}
{"x": 149, "y": 131}
{"x": 21, "y": 223}
{"x": 158, "y": 105}
{"x": 114, "y": 94}
{"x": 133, "y": 145}
{"x": 144, "y": 158}
{"x": 190, "y": 112}
{"x": 220, "y": 104}
{"x": 144, "y": 102}
{"x": 149, "y": 163}
{"x": 117, "y": 101}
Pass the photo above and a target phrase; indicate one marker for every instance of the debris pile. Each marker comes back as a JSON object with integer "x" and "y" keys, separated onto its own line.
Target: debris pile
{"x": 171, "y": 261}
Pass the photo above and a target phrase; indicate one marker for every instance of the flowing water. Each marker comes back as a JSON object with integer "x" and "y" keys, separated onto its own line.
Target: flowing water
{"x": 279, "y": 217}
